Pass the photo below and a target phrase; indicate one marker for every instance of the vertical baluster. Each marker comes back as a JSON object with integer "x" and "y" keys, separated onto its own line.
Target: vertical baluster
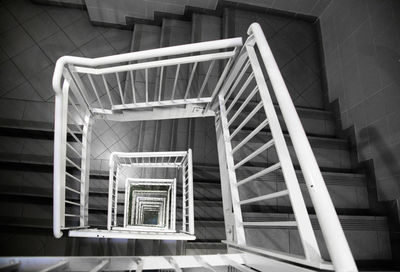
{"x": 161, "y": 78}
{"x": 146, "y": 72}
{"x": 206, "y": 78}
{"x": 178, "y": 67}
{"x": 133, "y": 87}
{"x": 107, "y": 89}
{"x": 190, "y": 80}
{"x": 95, "y": 90}
{"x": 120, "y": 89}
{"x": 183, "y": 201}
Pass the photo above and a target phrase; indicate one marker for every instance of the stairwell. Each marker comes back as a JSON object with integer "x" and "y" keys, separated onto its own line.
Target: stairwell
{"x": 26, "y": 157}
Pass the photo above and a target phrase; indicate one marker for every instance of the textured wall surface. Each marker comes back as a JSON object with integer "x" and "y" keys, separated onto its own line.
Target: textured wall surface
{"x": 115, "y": 11}
{"x": 304, "y": 7}
{"x": 361, "y": 41}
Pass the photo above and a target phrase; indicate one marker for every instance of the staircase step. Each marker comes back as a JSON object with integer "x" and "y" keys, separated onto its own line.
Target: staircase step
{"x": 316, "y": 122}
{"x": 206, "y": 28}
{"x": 294, "y": 44}
{"x": 331, "y": 153}
{"x": 144, "y": 37}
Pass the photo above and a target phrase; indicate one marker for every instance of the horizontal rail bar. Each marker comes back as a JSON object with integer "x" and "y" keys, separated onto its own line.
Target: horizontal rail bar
{"x": 255, "y": 153}
{"x": 150, "y": 154}
{"x": 73, "y": 177}
{"x": 239, "y": 94}
{"x": 55, "y": 267}
{"x": 250, "y": 136}
{"x": 247, "y": 119}
{"x": 72, "y": 215}
{"x": 74, "y": 136}
{"x": 100, "y": 266}
{"x": 163, "y": 103}
{"x": 271, "y": 224}
{"x": 155, "y": 64}
{"x": 260, "y": 174}
{"x": 243, "y": 105}
{"x": 73, "y": 149}
{"x": 73, "y": 203}
{"x": 264, "y": 197}
{"x": 74, "y": 164}
{"x": 72, "y": 190}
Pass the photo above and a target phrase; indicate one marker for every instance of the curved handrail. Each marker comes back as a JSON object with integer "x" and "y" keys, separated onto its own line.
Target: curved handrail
{"x": 332, "y": 231}
{"x": 134, "y": 56}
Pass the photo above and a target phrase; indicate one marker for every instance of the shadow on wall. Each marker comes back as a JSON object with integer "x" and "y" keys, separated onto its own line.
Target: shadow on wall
{"x": 389, "y": 61}
{"x": 370, "y": 137}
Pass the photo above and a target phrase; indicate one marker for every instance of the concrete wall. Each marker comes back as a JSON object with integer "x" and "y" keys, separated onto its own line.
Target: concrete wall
{"x": 361, "y": 41}
{"x": 115, "y": 11}
{"x": 304, "y": 7}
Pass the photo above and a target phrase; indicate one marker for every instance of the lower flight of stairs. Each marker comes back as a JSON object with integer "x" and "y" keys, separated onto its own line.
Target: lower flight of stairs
{"x": 26, "y": 178}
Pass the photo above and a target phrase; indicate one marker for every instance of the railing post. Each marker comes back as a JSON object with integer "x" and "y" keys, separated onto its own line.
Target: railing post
{"x": 60, "y": 140}
{"x": 190, "y": 188}
{"x": 110, "y": 190}
{"x": 240, "y": 237}
{"x": 173, "y": 214}
{"x": 332, "y": 231}
{"x": 85, "y": 166}
{"x": 183, "y": 199}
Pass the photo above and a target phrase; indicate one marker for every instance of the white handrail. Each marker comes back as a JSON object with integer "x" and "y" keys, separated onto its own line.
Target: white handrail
{"x": 332, "y": 231}
{"x": 134, "y": 56}
{"x": 182, "y": 161}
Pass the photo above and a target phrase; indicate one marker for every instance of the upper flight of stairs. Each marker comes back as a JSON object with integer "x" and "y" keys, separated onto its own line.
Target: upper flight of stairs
{"x": 26, "y": 169}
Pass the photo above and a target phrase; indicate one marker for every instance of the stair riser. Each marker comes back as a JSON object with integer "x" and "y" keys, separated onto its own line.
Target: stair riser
{"x": 327, "y": 156}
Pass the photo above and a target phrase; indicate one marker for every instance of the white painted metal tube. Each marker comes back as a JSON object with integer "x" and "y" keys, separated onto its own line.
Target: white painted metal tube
{"x": 60, "y": 138}
{"x": 332, "y": 231}
{"x": 246, "y": 120}
{"x": 264, "y": 197}
{"x": 190, "y": 188}
{"x": 155, "y": 64}
{"x": 140, "y": 55}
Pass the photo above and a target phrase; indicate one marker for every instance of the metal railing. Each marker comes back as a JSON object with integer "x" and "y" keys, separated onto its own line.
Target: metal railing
{"x": 152, "y": 81}
{"x": 247, "y": 85}
{"x": 165, "y": 207}
{"x": 180, "y": 160}
{"x": 72, "y": 137}
{"x": 129, "y": 263}
{"x": 87, "y": 89}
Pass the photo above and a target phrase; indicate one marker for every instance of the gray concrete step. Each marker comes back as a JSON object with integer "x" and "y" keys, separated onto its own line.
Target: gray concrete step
{"x": 368, "y": 236}
{"x": 144, "y": 37}
{"x": 295, "y": 46}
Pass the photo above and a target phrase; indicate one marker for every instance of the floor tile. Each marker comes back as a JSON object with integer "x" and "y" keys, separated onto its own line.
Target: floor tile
{"x": 39, "y": 111}
{"x": 299, "y": 75}
{"x": 41, "y": 26}
{"x": 42, "y": 82}
{"x": 3, "y": 56}
{"x": 300, "y": 34}
{"x": 10, "y": 76}
{"x": 64, "y": 16}
{"x": 32, "y": 61}
{"x": 98, "y": 47}
{"x": 25, "y": 91}
{"x": 119, "y": 39}
{"x": 12, "y": 109}
{"x": 15, "y": 41}
{"x": 7, "y": 21}
{"x": 57, "y": 45}
{"x": 23, "y": 10}
{"x": 81, "y": 31}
